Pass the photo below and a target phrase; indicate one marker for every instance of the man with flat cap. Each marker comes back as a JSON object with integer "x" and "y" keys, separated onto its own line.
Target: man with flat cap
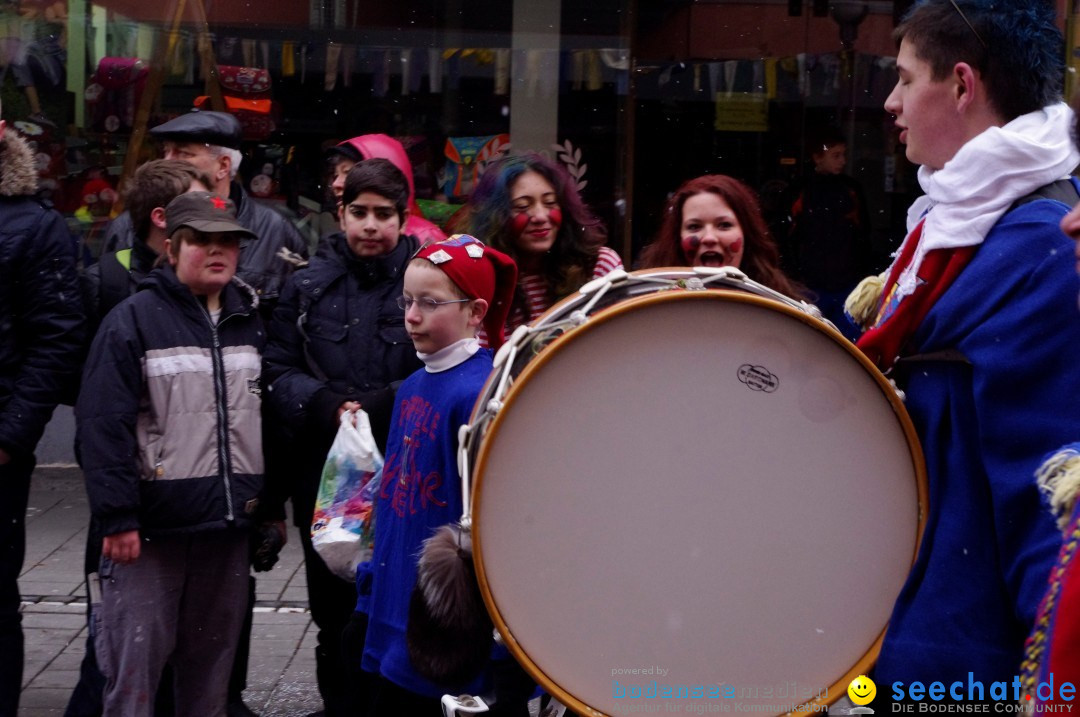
{"x": 211, "y": 141}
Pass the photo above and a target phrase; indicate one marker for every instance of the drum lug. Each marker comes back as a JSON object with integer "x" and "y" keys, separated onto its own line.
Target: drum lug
{"x": 899, "y": 392}
{"x": 612, "y": 277}
{"x": 462, "y": 705}
{"x": 494, "y": 406}
{"x": 694, "y": 283}
{"x": 504, "y": 350}
{"x": 519, "y": 333}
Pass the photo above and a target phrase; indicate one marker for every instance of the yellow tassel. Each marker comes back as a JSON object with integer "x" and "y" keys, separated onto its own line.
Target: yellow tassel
{"x": 1059, "y": 480}
{"x": 862, "y": 303}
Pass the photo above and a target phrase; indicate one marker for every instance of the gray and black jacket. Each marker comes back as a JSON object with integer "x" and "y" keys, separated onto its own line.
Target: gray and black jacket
{"x": 168, "y": 426}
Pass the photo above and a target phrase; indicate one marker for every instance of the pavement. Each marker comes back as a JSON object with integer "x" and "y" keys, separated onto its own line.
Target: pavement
{"x": 281, "y": 672}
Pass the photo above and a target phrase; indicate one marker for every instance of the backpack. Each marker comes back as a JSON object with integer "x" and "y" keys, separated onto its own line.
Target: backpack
{"x": 115, "y": 283}
{"x": 247, "y": 95}
{"x": 114, "y": 92}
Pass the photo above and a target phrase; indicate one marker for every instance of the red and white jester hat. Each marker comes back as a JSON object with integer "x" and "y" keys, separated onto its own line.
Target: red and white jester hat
{"x": 482, "y": 273}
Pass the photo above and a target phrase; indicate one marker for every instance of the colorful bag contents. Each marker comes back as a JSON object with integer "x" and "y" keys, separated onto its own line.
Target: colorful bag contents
{"x": 343, "y": 526}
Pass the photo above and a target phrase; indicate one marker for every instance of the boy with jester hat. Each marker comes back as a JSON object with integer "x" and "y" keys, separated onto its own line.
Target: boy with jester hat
{"x": 452, "y": 289}
{"x": 968, "y": 320}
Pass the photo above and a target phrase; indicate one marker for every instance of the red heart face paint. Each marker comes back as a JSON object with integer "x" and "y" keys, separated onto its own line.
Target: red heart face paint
{"x": 555, "y": 217}
{"x": 518, "y": 223}
{"x": 710, "y": 234}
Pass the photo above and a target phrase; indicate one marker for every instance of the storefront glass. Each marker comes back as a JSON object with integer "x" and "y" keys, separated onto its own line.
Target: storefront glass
{"x": 634, "y": 96}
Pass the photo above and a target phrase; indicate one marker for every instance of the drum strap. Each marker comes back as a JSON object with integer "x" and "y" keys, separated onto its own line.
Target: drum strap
{"x": 946, "y": 355}
{"x": 1064, "y": 191}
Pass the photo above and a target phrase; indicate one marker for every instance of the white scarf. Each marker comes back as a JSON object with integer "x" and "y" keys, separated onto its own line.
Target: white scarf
{"x": 979, "y": 184}
{"x": 450, "y": 356}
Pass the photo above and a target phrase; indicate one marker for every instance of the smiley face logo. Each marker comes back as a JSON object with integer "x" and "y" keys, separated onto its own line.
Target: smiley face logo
{"x": 862, "y": 690}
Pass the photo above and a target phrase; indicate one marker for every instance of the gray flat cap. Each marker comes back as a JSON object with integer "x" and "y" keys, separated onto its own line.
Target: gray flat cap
{"x": 218, "y": 128}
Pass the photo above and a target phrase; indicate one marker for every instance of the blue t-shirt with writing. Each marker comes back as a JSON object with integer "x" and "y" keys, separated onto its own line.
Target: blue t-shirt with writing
{"x": 420, "y": 492}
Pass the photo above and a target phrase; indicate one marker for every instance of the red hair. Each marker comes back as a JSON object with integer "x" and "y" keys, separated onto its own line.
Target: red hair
{"x": 761, "y": 257}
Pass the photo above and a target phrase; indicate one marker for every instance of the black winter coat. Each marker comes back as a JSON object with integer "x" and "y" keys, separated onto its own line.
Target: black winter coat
{"x": 356, "y": 348}
{"x": 41, "y": 318}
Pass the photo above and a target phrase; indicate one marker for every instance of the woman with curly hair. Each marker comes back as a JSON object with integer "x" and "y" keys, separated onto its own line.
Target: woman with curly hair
{"x": 527, "y": 206}
{"x": 715, "y": 220}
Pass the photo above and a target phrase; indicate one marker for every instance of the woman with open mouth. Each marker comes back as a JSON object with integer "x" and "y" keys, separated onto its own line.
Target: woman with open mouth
{"x": 715, "y": 220}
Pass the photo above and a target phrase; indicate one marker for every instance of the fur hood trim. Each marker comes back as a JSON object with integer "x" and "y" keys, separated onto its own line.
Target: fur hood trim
{"x": 18, "y": 174}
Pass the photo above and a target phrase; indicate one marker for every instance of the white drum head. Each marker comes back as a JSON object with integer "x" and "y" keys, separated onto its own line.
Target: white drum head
{"x": 697, "y": 489}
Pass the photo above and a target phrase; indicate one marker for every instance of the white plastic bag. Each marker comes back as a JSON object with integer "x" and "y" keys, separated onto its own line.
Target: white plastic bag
{"x": 343, "y": 526}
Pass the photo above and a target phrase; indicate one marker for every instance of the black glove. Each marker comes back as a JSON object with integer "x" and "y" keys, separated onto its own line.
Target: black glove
{"x": 265, "y": 546}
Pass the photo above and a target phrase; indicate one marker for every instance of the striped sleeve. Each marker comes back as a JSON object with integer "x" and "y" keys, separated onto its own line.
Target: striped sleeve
{"x": 537, "y": 298}
{"x": 607, "y": 261}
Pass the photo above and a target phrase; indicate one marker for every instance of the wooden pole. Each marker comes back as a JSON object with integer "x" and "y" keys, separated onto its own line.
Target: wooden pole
{"x": 156, "y": 78}
{"x": 206, "y": 55}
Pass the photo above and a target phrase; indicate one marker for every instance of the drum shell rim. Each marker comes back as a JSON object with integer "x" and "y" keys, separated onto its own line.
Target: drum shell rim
{"x": 863, "y": 665}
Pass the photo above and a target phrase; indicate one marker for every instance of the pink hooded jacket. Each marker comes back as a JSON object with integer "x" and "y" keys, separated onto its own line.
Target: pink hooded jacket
{"x": 371, "y": 146}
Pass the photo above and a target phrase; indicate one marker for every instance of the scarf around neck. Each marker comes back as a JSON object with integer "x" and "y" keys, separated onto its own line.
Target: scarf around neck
{"x": 979, "y": 184}
{"x": 963, "y": 201}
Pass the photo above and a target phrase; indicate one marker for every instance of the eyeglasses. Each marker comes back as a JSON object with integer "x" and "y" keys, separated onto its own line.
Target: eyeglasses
{"x": 426, "y": 305}
{"x": 968, "y": 22}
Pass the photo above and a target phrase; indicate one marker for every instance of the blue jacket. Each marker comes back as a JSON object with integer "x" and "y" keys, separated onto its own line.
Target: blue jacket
{"x": 41, "y": 329}
{"x": 972, "y": 595}
{"x": 167, "y": 422}
{"x": 337, "y": 334}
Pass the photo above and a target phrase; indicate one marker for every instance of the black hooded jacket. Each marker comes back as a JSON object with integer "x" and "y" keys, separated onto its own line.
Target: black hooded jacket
{"x": 41, "y": 318}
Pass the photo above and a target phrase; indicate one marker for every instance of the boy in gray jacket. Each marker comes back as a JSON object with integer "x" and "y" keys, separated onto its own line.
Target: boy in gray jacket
{"x": 169, "y": 437}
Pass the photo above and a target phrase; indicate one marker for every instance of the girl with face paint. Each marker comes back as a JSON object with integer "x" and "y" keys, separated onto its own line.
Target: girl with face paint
{"x": 528, "y": 207}
{"x": 710, "y": 234}
{"x": 715, "y": 220}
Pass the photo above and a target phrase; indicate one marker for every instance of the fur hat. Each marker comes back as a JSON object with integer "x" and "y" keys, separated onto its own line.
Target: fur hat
{"x": 479, "y": 271}
{"x": 449, "y": 633}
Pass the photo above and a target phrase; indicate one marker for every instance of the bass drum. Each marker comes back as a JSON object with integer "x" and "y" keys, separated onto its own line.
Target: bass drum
{"x": 690, "y": 494}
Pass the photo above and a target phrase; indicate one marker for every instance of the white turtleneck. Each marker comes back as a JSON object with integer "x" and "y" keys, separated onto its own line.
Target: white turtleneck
{"x": 450, "y": 356}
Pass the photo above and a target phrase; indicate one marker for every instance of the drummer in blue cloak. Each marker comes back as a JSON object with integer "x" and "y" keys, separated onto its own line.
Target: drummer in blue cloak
{"x": 968, "y": 321}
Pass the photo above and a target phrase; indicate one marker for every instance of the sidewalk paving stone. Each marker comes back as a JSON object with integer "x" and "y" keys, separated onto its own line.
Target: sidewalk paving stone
{"x": 281, "y": 670}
